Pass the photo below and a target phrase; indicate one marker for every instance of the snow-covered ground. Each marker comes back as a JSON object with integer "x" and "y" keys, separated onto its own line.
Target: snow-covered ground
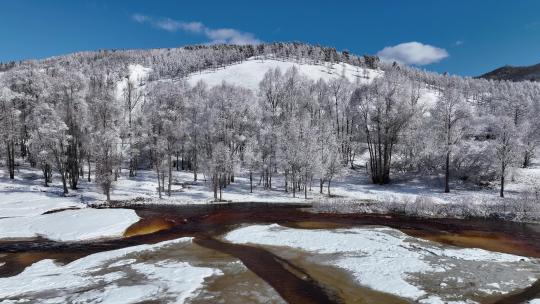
{"x": 109, "y": 277}
{"x": 249, "y": 73}
{"x": 26, "y": 196}
{"x": 32, "y": 201}
{"x": 390, "y": 261}
{"x": 24, "y": 205}
{"x": 70, "y": 225}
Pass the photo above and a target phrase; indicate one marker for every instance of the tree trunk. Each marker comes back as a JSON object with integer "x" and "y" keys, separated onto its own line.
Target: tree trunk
{"x": 195, "y": 166}
{"x": 215, "y": 186}
{"x": 527, "y": 159}
{"x": 11, "y": 160}
{"x": 321, "y": 184}
{"x": 73, "y": 165}
{"x": 89, "y": 169}
{"x": 293, "y": 186}
{"x": 502, "y": 180}
{"x": 108, "y": 193}
{"x": 286, "y": 182}
{"x": 250, "y": 182}
{"x": 220, "y": 187}
{"x": 158, "y": 181}
{"x": 64, "y": 183}
{"x": 170, "y": 176}
{"x": 46, "y": 174}
{"x": 329, "y": 187}
{"x": 447, "y": 174}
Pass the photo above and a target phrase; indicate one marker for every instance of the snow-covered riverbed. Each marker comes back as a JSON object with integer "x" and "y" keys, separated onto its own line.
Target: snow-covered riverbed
{"x": 390, "y": 261}
{"x": 117, "y": 276}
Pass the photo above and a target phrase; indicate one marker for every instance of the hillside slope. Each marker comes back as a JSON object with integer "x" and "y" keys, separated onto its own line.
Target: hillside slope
{"x": 249, "y": 73}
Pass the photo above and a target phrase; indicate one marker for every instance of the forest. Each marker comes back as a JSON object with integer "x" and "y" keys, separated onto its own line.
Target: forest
{"x": 82, "y": 116}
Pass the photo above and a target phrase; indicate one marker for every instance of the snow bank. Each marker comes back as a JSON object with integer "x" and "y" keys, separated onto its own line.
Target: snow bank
{"x": 249, "y": 73}
{"x": 70, "y": 225}
{"x": 524, "y": 208}
{"x": 18, "y": 203}
{"x": 95, "y": 278}
{"x": 383, "y": 259}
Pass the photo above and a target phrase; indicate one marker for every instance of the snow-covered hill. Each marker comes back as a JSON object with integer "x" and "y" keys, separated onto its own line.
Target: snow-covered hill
{"x": 249, "y": 73}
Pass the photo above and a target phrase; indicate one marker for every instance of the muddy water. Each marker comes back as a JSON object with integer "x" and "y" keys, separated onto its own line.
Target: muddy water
{"x": 294, "y": 278}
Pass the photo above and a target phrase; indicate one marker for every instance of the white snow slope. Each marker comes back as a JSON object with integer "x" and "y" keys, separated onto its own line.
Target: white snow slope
{"x": 249, "y": 73}
{"x": 137, "y": 75}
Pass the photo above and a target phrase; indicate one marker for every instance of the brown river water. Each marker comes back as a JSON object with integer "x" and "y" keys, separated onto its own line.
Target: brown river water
{"x": 294, "y": 278}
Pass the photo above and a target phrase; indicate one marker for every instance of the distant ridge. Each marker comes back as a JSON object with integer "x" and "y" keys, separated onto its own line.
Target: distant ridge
{"x": 530, "y": 73}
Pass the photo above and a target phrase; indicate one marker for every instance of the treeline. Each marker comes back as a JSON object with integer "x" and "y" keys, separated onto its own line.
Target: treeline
{"x": 70, "y": 118}
{"x": 180, "y": 62}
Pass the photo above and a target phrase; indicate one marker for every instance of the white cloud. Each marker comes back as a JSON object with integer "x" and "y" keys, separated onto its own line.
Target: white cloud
{"x": 231, "y": 36}
{"x": 458, "y": 42}
{"x": 173, "y": 26}
{"x": 414, "y": 53}
{"x": 219, "y": 35}
{"x": 140, "y": 18}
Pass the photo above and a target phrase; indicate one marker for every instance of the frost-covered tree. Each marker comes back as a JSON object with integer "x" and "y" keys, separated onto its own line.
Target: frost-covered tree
{"x": 68, "y": 100}
{"x": 164, "y": 121}
{"x": 505, "y": 145}
{"x": 105, "y": 133}
{"x": 51, "y": 137}
{"x": 218, "y": 167}
{"x": 10, "y": 126}
{"x": 383, "y": 110}
{"x": 251, "y": 159}
{"x": 450, "y": 114}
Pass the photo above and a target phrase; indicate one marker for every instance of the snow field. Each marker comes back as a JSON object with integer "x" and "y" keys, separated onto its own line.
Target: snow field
{"x": 248, "y": 74}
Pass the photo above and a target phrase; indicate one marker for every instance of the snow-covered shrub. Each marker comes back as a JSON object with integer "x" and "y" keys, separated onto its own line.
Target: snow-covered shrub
{"x": 525, "y": 208}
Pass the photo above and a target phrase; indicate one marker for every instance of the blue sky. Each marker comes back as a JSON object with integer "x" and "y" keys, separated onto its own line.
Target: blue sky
{"x": 459, "y": 37}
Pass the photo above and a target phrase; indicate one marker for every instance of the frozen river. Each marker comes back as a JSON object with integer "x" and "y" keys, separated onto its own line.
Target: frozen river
{"x": 258, "y": 253}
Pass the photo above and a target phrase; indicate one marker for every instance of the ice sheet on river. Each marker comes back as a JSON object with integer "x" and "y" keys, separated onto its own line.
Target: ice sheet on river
{"x": 390, "y": 261}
